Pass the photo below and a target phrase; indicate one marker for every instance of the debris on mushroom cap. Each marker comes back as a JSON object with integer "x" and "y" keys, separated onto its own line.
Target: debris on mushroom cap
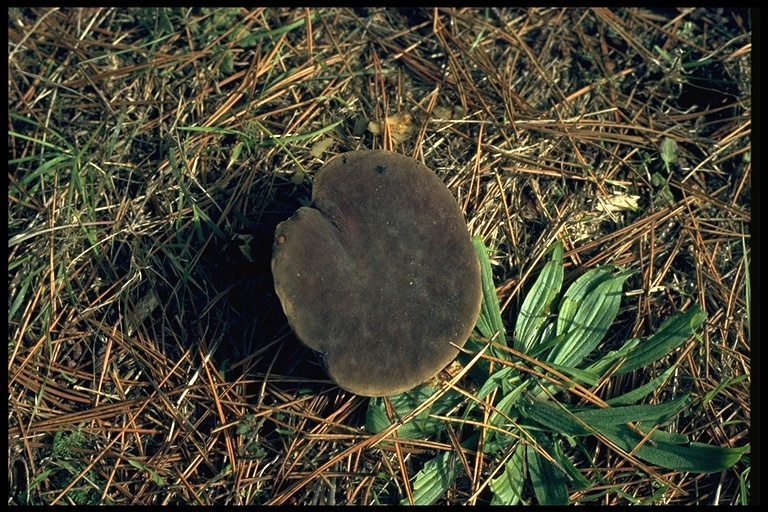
{"x": 378, "y": 273}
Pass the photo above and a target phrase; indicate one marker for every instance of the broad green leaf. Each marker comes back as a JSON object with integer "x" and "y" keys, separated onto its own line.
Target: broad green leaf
{"x": 692, "y": 457}
{"x": 546, "y": 340}
{"x": 596, "y": 311}
{"x": 549, "y": 482}
{"x": 581, "y": 423}
{"x": 489, "y": 322}
{"x": 671, "y": 334}
{"x": 641, "y": 392}
{"x": 603, "y": 364}
{"x": 422, "y": 426}
{"x": 581, "y": 376}
{"x": 668, "y": 151}
{"x": 574, "y": 296}
{"x": 431, "y": 483}
{"x": 671, "y": 451}
{"x": 664, "y": 194}
{"x": 539, "y": 302}
{"x": 508, "y": 379}
{"x": 504, "y": 410}
{"x": 654, "y": 413}
{"x": 507, "y": 488}
{"x": 576, "y": 477}
{"x": 554, "y": 418}
{"x": 495, "y": 381}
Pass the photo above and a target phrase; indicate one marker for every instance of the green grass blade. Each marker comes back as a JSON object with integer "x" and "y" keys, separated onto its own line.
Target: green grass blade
{"x": 747, "y": 284}
{"x": 273, "y": 139}
{"x": 46, "y": 169}
{"x": 709, "y": 395}
{"x": 252, "y": 39}
{"x": 157, "y": 478}
{"x": 208, "y": 222}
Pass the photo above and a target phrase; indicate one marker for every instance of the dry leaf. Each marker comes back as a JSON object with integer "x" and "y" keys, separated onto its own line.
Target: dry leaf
{"x": 319, "y": 147}
{"x": 400, "y": 127}
{"x": 442, "y": 112}
{"x": 618, "y": 203}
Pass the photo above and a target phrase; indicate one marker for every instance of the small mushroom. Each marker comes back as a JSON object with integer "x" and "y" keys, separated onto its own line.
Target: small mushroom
{"x": 378, "y": 274}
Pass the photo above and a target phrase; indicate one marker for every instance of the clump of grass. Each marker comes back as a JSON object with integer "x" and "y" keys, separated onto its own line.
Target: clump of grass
{"x": 151, "y": 149}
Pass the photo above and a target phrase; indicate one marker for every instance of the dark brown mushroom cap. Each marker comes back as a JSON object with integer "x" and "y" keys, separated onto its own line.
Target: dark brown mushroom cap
{"x": 379, "y": 273}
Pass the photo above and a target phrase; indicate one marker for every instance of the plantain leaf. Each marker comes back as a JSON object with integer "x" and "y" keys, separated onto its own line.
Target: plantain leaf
{"x": 686, "y": 457}
{"x": 498, "y": 379}
{"x": 554, "y": 418}
{"x": 433, "y": 480}
{"x": 549, "y": 482}
{"x": 641, "y": 392}
{"x": 671, "y": 334}
{"x": 439, "y": 473}
{"x": 654, "y": 414}
{"x": 489, "y": 322}
{"x": 599, "y": 299}
{"x": 576, "y": 477}
{"x": 507, "y": 488}
{"x": 603, "y": 364}
{"x": 575, "y": 294}
{"x": 581, "y": 376}
{"x": 539, "y": 302}
{"x": 498, "y": 419}
{"x": 669, "y": 450}
{"x": 423, "y": 425}
{"x": 581, "y": 423}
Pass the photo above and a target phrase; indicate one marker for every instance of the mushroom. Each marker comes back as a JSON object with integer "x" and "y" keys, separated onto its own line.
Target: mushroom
{"x": 378, "y": 274}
